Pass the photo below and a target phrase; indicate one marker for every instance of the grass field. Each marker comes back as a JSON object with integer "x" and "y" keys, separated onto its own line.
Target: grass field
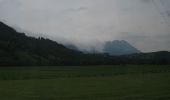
{"x": 118, "y": 82}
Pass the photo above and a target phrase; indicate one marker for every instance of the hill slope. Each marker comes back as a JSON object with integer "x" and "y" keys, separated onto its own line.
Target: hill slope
{"x": 19, "y": 49}
{"x": 161, "y": 57}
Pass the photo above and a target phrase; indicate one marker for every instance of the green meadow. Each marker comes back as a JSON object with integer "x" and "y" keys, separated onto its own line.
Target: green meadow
{"x": 117, "y": 82}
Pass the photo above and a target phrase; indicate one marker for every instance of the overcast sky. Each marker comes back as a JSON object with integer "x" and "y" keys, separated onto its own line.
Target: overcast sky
{"x": 87, "y": 23}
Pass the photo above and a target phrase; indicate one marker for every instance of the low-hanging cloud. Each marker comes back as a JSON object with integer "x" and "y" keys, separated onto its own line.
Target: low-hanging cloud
{"x": 89, "y": 23}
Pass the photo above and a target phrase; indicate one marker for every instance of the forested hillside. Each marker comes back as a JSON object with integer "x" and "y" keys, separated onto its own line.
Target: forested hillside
{"x": 18, "y": 49}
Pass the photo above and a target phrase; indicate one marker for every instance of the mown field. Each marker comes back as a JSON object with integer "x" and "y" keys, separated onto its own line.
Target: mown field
{"x": 118, "y": 82}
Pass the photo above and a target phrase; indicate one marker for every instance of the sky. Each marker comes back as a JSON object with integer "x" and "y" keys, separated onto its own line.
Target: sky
{"x": 89, "y": 23}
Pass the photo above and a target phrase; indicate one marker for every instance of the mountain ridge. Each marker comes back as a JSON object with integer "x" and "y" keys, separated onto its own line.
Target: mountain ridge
{"x": 17, "y": 49}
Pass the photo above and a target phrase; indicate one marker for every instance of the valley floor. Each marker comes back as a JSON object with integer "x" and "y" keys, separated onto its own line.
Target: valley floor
{"x": 120, "y": 82}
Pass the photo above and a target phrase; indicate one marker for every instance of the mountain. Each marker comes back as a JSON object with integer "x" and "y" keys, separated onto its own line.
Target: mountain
{"x": 117, "y": 48}
{"x": 18, "y": 49}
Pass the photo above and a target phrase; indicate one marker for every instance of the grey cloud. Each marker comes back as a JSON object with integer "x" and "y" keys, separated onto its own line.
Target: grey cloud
{"x": 76, "y": 9}
{"x": 154, "y": 42}
{"x": 146, "y": 1}
{"x": 89, "y": 23}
